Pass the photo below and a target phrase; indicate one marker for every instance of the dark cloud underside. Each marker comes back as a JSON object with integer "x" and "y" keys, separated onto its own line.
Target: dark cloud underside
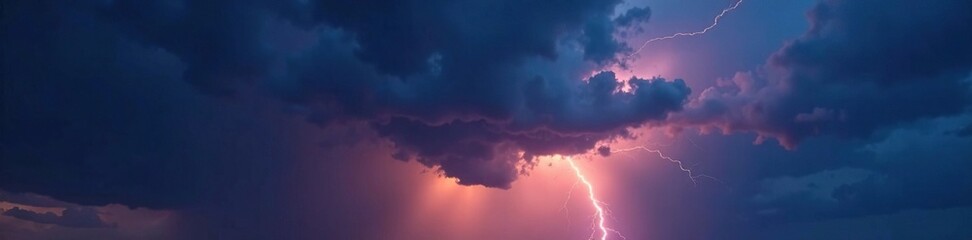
{"x": 473, "y": 88}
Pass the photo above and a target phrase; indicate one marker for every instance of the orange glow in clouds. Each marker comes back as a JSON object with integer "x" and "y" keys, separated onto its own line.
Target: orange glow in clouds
{"x": 531, "y": 209}
{"x": 446, "y": 210}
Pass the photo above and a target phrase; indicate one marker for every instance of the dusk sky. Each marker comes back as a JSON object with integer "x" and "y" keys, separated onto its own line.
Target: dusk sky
{"x": 486, "y": 119}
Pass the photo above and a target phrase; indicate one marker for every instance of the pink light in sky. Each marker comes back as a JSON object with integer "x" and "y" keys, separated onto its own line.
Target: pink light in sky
{"x": 599, "y": 210}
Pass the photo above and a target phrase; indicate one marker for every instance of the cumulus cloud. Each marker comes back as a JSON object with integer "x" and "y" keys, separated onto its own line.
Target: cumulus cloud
{"x": 474, "y": 89}
{"x": 861, "y": 67}
{"x": 446, "y": 83}
{"x": 881, "y": 87}
{"x": 93, "y": 112}
{"x": 554, "y": 122}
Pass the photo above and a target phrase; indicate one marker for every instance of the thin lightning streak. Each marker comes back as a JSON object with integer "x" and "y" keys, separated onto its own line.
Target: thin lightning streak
{"x": 565, "y": 208}
{"x": 693, "y": 142}
{"x": 715, "y": 21}
{"x": 599, "y": 210}
{"x": 661, "y": 155}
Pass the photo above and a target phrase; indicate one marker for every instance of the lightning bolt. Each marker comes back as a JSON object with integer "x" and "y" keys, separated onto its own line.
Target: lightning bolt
{"x": 661, "y": 155}
{"x": 565, "y": 209}
{"x": 599, "y": 211}
{"x": 715, "y": 21}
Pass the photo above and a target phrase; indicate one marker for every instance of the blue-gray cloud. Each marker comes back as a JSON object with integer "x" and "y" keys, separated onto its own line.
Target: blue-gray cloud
{"x": 92, "y": 114}
{"x": 98, "y": 107}
{"x": 861, "y": 67}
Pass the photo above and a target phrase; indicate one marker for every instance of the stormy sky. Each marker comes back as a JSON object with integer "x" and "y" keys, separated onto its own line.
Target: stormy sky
{"x": 444, "y": 119}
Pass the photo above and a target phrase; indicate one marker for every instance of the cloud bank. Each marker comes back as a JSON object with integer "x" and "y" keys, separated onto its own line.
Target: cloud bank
{"x": 862, "y": 66}
{"x": 95, "y": 113}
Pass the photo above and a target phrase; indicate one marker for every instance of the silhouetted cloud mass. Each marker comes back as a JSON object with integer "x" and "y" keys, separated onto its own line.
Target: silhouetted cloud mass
{"x": 475, "y": 89}
{"x": 862, "y": 66}
{"x": 164, "y": 103}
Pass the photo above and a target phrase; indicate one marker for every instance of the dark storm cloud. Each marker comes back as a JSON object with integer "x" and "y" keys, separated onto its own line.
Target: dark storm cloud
{"x": 870, "y": 101}
{"x": 71, "y": 128}
{"x": 861, "y": 67}
{"x": 77, "y": 217}
{"x": 94, "y": 112}
{"x": 553, "y": 122}
{"x": 426, "y": 72}
{"x": 92, "y": 118}
{"x": 604, "y": 151}
{"x": 917, "y": 167}
{"x": 97, "y": 106}
{"x": 633, "y": 17}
